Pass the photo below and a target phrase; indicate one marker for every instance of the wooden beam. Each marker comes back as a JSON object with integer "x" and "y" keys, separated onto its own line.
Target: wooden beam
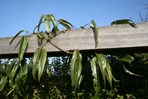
{"x": 110, "y": 38}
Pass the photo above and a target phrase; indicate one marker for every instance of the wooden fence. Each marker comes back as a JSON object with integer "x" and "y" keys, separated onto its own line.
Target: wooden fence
{"x": 119, "y": 38}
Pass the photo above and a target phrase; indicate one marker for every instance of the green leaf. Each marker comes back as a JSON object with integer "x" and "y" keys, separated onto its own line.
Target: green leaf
{"x": 36, "y": 56}
{"x": 16, "y": 36}
{"x": 109, "y": 73}
{"x": 53, "y": 20}
{"x": 47, "y": 23}
{"x": 124, "y": 21}
{"x": 76, "y": 69}
{"x": 40, "y": 21}
{"x": 9, "y": 67}
{"x": 66, "y": 24}
{"x": 23, "y": 47}
{"x": 13, "y": 73}
{"x": 3, "y": 82}
{"x": 96, "y": 31}
{"x": 48, "y": 71}
{"x": 102, "y": 65}
{"x": 127, "y": 58}
{"x": 42, "y": 62}
{"x": 95, "y": 74}
{"x": 131, "y": 73}
{"x": 22, "y": 75}
{"x": 48, "y": 68}
{"x": 105, "y": 69}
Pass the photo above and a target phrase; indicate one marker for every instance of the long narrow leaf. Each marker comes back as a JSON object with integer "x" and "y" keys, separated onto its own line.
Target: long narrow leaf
{"x": 53, "y": 20}
{"x": 3, "y": 82}
{"x": 131, "y": 73}
{"x": 76, "y": 69}
{"x": 23, "y": 47}
{"x": 22, "y": 75}
{"x": 47, "y": 23}
{"x": 102, "y": 65}
{"x": 124, "y": 21}
{"x": 16, "y": 36}
{"x": 10, "y": 67}
{"x": 42, "y": 62}
{"x": 105, "y": 69}
{"x": 35, "y": 61}
{"x": 12, "y": 74}
{"x": 95, "y": 74}
{"x": 95, "y": 29}
{"x": 40, "y": 21}
{"x": 127, "y": 58}
{"x": 109, "y": 74}
{"x": 66, "y": 24}
{"x": 48, "y": 68}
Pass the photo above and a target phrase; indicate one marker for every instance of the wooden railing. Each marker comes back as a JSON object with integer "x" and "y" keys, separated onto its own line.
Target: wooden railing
{"x": 111, "y": 39}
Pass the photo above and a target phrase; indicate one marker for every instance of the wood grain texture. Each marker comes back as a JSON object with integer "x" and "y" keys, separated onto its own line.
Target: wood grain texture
{"x": 110, "y": 38}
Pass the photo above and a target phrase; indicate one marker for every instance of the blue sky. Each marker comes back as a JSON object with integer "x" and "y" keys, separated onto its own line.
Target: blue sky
{"x": 16, "y": 15}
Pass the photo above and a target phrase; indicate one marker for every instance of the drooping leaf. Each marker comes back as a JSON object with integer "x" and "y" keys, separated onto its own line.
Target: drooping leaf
{"x": 12, "y": 74}
{"x": 105, "y": 69}
{"x": 126, "y": 58}
{"x": 22, "y": 75}
{"x": 95, "y": 74}
{"x": 47, "y": 23}
{"x": 23, "y": 47}
{"x": 40, "y": 21}
{"x": 131, "y": 73}
{"x": 109, "y": 74}
{"x": 124, "y": 21}
{"x": 53, "y": 20}
{"x": 42, "y": 62}
{"x": 16, "y": 36}
{"x": 35, "y": 61}
{"x": 48, "y": 71}
{"x": 96, "y": 31}
{"x": 66, "y": 24}
{"x": 48, "y": 68}
{"x": 76, "y": 69}
{"x": 9, "y": 67}
{"x": 102, "y": 65}
{"x": 3, "y": 82}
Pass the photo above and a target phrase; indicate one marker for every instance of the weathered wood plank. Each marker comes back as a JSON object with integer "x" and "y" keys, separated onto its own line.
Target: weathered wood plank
{"x": 110, "y": 37}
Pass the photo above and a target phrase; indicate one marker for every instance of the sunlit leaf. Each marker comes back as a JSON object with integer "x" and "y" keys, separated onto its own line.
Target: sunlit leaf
{"x": 12, "y": 74}
{"x": 109, "y": 73}
{"x": 23, "y": 47}
{"x": 9, "y": 67}
{"x": 22, "y": 75}
{"x": 53, "y": 20}
{"x": 96, "y": 31}
{"x": 40, "y": 21}
{"x": 131, "y": 73}
{"x": 76, "y": 69}
{"x": 127, "y": 58}
{"x": 47, "y": 23}
{"x": 80, "y": 81}
{"x": 48, "y": 71}
{"x": 105, "y": 69}
{"x": 124, "y": 21}
{"x": 95, "y": 74}
{"x": 35, "y": 61}
{"x": 16, "y": 36}
{"x": 48, "y": 68}
{"x": 66, "y": 24}
{"x": 102, "y": 65}
{"x": 42, "y": 62}
{"x": 3, "y": 82}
